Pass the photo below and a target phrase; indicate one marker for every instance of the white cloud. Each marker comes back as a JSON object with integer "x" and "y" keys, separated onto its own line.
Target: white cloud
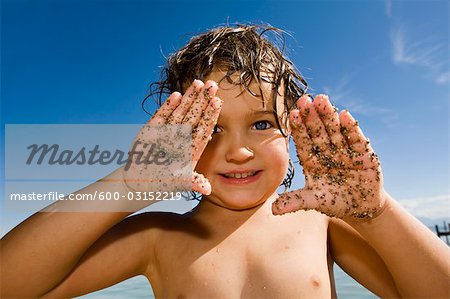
{"x": 389, "y": 8}
{"x": 426, "y": 53}
{"x": 341, "y": 90}
{"x": 430, "y": 207}
{"x": 443, "y": 78}
{"x": 343, "y": 97}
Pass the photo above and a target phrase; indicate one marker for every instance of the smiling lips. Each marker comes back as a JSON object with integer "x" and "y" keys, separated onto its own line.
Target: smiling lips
{"x": 241, "y": 177}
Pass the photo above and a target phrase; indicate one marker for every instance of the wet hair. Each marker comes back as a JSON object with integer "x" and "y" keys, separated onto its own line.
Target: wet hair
{"x": 253, "y": 52}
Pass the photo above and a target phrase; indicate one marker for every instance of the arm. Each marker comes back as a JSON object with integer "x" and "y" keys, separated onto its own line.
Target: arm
{"x": 359, "y": 260}
{"x": 121, "y": 253}
{"x": 40, "y": 252}
{"x": 51, "y": 251}
{"x": 344, "y": 180}
{"x": 418, "y": 261}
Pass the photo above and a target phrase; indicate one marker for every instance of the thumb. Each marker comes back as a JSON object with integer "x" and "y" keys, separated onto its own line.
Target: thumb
{"x": 200, "y": 184}
{"x": 293, "y": 201}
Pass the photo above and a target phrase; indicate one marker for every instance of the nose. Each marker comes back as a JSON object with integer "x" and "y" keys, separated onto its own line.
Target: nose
{"x": 238, "y": 151}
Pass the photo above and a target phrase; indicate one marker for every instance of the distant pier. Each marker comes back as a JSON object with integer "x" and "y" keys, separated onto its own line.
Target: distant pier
{"x": 445, "y": 232}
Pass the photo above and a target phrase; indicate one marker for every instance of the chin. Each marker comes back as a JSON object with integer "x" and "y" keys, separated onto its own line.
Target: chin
{"x": 239, "y": 203}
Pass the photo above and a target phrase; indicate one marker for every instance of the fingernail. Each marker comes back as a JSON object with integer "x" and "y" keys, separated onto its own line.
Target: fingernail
{"x": 305, "y": 97}
{"x": 198, "y": 85}
{"x": 324, "y": 99}
{"x": 217, "y": 103}
{"x": 206, "y": 188}
{"x": 318, "y": 99}
{"x": 210, "y": 90}
{"x": 349, "y": 114}
{"x": 295, "y": 118}
{"x": 175, "y": 99}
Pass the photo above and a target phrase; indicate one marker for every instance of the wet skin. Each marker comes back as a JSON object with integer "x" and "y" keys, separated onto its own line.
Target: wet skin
{"x": 342, "y": 172}
{"x": 198, "y": 108}
{"x": 233, "y": 246}
{"x": 236, "y": 244}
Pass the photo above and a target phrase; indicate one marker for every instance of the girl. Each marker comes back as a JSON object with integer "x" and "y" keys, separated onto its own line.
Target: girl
{"x": 243, "y": 99}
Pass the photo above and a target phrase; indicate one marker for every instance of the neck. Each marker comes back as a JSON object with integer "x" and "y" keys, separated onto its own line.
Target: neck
{"x": 212, "y": 212}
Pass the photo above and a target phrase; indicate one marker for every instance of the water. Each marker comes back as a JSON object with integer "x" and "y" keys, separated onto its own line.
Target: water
{"x": 347, "y": 287}
{"x": 138, "y": 287}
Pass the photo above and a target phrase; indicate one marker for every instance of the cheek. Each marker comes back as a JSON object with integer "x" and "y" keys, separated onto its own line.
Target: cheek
{"x": 277, "y": 153}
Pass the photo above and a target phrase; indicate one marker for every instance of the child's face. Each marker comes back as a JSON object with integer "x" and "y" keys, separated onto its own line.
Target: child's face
{"x": 247, "y": 140}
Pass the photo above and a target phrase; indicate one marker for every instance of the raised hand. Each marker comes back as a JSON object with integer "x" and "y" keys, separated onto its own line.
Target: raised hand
{"x": 199, "y": 109}
{"x": 342, "y": 172}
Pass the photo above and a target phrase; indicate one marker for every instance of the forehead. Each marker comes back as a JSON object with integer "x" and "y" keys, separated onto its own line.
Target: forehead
{"x": 260, "y": 97}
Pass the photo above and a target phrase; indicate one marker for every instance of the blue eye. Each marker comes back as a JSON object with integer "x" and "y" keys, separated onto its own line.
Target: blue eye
{"x": 262, "y": 125}
{"x": 216, "y": 129}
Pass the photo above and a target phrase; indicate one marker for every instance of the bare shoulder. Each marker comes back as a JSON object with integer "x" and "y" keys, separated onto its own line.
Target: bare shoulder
{"x": 342, "y": 237}
{"x": 153, "y": 220}
{"x": 165, "y": 226}
{"x": 133, "y": 241}
{"x": 309, "y": 218}
{"x": 356, "y": 257}
{"x": 156, "y": 224}
{"x": 341, "y": 232}
{"x": 346, "y": 243}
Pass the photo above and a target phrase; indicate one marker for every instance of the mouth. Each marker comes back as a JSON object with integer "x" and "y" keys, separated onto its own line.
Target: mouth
{"x": 241, "y": 177}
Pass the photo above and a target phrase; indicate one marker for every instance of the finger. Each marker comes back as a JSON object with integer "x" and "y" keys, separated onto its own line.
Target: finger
{"x": 338, "y": 147}
{"x": 302, "y": 141}
{"x": 360, "y": 150}
{"x": 330, "y": 118}
{"x": 188, "y": 98}
{"x": 200, "y": 184}
{"x": 322, "y": 201}
{"x": 201, "y": 134}
{"x": 314, "y": 126}
{"x": 289, "y": 202}
{"x": 166, "y": 109}
{"x": 195, "y": 111}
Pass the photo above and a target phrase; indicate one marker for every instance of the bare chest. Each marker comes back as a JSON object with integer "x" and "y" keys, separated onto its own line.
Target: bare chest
{"x": 283, "y": 259}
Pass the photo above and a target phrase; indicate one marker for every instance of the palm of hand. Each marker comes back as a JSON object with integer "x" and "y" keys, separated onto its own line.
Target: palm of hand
{"x": 342, "y": 173}
{"x": 198, "y": 110}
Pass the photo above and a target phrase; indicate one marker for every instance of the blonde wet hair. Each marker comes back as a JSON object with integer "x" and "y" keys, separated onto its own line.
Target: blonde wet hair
{"x": 254, "y": 52}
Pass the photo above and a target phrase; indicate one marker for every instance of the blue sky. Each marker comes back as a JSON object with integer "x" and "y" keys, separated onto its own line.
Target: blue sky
{"x": 91, "y": 62}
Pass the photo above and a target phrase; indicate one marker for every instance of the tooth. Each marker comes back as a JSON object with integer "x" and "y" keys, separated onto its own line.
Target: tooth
{"x": 240, "y": 175}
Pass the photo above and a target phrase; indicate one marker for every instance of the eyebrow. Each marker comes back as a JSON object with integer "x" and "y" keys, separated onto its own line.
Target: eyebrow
{"x": 260, "y": 112}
